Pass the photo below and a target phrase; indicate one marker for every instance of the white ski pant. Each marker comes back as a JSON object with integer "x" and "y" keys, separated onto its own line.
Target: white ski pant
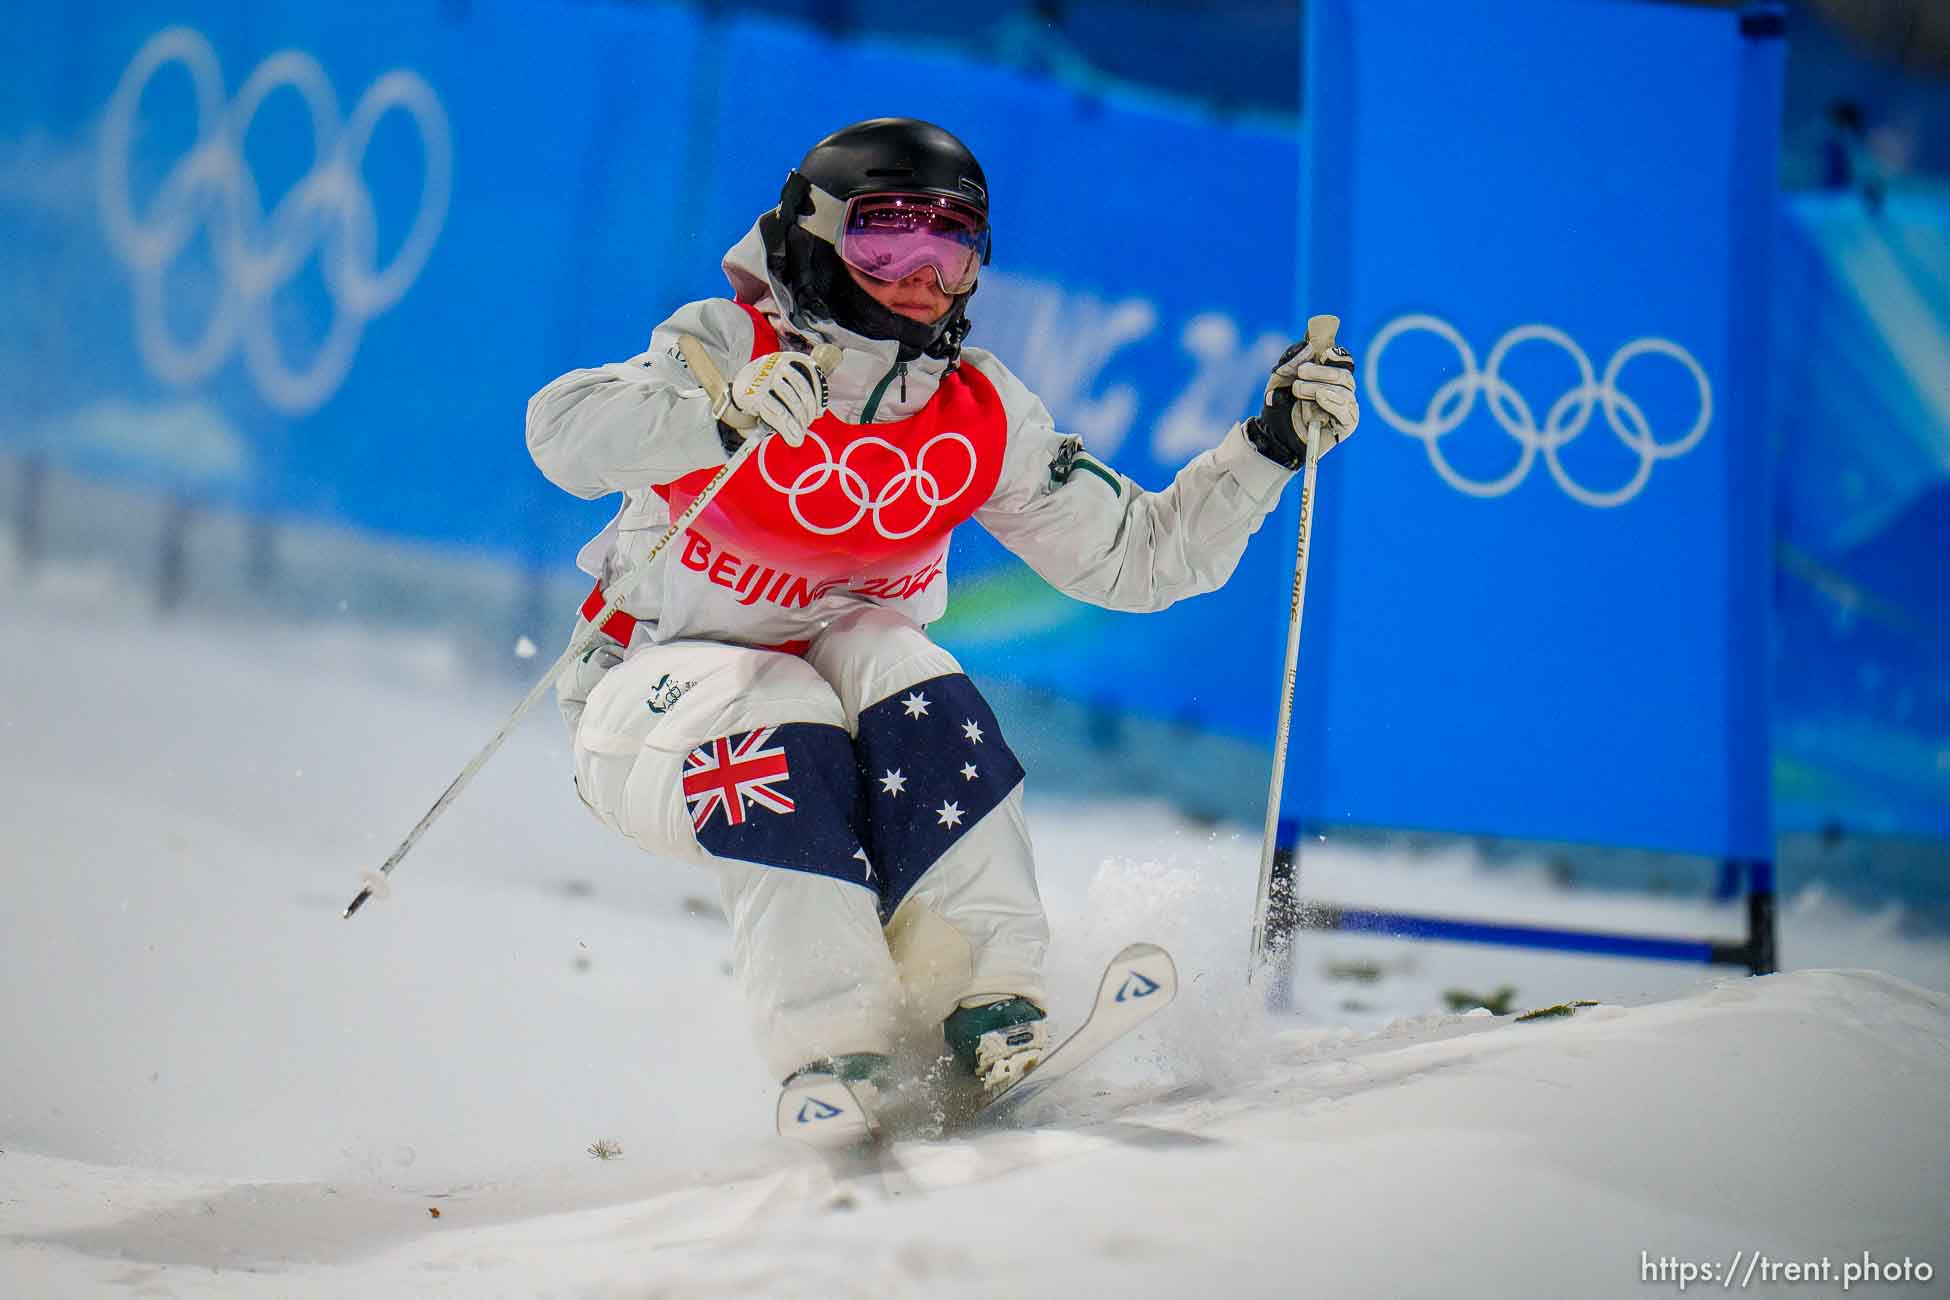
{"x": 862, "y": 812}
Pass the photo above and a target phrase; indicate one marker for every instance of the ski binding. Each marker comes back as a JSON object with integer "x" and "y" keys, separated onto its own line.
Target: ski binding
{"x": 1140, "y": 982}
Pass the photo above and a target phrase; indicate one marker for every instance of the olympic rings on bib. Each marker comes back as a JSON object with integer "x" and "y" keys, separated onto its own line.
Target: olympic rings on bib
{"x": 866, "y": 500}
{"x": 1564, "y": 420}
{"x": 329, "y": 211}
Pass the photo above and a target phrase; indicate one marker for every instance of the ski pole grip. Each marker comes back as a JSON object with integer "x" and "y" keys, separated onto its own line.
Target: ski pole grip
{"x": 1320, "y": 334}
{"x": 1320, "y": 346}
{"x": 826, "y": 356}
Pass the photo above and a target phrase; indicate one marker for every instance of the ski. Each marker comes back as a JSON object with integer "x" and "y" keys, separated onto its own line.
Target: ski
{"x": 823, "y": 1110}
{"x": 1140, "y": 982}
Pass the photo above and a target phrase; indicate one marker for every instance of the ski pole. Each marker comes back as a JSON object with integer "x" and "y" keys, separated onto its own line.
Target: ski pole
{"x": 827, "y": 358}
{"x": 1320, "y": 340}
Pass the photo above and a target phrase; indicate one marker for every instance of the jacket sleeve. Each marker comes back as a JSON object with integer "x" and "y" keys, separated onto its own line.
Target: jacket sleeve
{"x": 633, "y": 424}
{"x": 1094, "y": 534}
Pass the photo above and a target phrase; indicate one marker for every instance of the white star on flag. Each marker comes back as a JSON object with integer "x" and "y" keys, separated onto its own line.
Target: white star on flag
{"x": 972, "y": 731}
{"x": 862, "y": 855}
{"x": 949, "y": 813}
{"x": 916, "y": 704}
{"x": 893, "y": 783}
{"x": 968, "y": 772}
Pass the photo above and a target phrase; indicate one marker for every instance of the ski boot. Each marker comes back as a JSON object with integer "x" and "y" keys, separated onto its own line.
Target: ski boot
{"x": 997, "y": 1042}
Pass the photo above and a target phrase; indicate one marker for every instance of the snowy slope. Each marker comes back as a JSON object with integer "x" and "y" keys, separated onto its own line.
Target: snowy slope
{"x": 210, "y": 1085}
{"x": 1797, "y": 1116}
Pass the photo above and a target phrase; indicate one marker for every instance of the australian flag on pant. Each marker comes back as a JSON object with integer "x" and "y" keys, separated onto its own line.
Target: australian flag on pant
{"x": 782, "y": 796}
{"x": 877, "y": 809}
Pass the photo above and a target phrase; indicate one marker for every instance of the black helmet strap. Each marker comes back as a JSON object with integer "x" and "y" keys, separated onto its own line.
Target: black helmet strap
{"x": 795, "y": 197}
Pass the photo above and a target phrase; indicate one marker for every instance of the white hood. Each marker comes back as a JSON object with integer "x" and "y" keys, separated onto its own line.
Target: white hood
{"x": 746, "y": 267}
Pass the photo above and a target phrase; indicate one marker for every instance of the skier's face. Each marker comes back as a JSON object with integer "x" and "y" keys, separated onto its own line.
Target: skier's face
{"x": 918, "y": 297}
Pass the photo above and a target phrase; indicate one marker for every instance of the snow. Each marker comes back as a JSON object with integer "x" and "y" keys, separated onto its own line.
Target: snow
{"x": 213, "y": 1086}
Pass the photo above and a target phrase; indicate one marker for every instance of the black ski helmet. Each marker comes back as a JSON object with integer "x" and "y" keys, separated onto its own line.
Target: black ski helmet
{"x": 884, "y": 155}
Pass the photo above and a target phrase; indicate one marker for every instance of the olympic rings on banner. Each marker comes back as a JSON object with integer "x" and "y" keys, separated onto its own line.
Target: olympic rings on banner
{"x": 210, "y": 187}
{"x": 865, "y": 499}
{"x": 1564, "y": 420}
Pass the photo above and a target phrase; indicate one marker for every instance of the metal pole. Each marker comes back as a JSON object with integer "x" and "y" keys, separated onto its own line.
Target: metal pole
{"x": 1320, "y": 338}
{"x": 1762, "y": 941}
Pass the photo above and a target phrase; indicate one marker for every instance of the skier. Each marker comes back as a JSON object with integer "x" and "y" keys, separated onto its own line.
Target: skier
{"x": 767, "y": 701}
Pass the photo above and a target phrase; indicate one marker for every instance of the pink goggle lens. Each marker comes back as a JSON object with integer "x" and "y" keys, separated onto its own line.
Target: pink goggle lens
{"x": 891, "y": 236}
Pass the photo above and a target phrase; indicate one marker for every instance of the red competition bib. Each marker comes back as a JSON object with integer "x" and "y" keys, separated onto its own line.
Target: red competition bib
{"x": 855, "y": 499}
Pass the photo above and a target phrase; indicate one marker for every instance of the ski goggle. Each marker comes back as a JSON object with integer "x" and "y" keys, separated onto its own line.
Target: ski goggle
{"x": 891, "y": 236}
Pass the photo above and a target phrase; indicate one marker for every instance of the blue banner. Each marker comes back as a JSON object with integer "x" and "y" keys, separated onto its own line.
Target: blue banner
{"x": 314, "y": 263}
{"x": 1862, "y": 718}
{"x": 1541, "y": 608}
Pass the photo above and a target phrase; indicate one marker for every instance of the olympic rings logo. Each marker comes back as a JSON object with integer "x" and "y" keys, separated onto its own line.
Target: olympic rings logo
{"x": 853, "y": 484}
{"x": 211, "y": 187}
{"x": 1565, "y": 419}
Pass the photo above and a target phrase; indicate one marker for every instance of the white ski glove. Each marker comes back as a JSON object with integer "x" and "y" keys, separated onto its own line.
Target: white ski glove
{"x": 1304, "y": 388}
{"x": 781, "y": 391}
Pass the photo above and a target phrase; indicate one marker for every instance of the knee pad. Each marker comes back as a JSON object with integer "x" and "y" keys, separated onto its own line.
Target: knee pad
{"x": 933, "y": 764}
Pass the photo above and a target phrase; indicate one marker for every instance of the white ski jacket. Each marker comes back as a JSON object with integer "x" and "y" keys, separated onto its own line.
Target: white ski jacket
{"x": 640, "y": 427}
